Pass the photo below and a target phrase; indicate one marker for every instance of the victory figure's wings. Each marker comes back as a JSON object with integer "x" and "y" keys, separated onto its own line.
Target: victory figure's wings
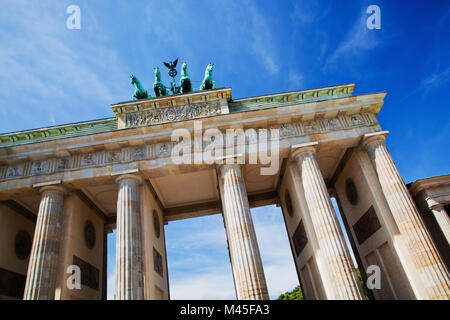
{"x": 174, "y": 64}
{"x": 167, "y": 65}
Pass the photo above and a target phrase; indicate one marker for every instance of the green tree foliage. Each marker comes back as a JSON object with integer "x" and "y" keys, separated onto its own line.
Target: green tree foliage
{"x": 363, "y": 285}
{"x": 295, "y": 294}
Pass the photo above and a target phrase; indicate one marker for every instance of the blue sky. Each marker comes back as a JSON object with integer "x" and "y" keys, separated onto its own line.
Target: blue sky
{"x": 52, "y": 75}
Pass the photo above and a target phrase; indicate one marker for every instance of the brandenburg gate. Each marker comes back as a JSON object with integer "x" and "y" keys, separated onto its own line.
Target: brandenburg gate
{"x": 64, "y": 188}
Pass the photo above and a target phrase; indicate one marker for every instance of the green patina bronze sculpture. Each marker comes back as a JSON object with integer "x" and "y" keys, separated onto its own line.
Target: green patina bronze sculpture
{"x": 174, "y": 88}
{"x": 171, "y": 66}
{"x": 173, "y": 73}
{"x": 139, "y": 91}
{"x": 208, "y": 81}
{"x": 185, "y": 81}
{"x": 158, "y": 86}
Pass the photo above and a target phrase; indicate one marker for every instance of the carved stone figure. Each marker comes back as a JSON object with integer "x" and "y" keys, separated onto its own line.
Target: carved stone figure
{"x": 357, "y": 120}
{"x": 39, "y": 167}
{"x": 287, "y": 129}
{"x": 185, "y": 81}
{"x": 332, "y": 123}
{"x": 62, "y": 163}
{"x": 208, "y": 81}
{"x": 138, "y": 153}
{"x": 113, "y": 156}
{"x": 157, "y": 116}
{"x": 162, "y": 149}
{"x": 139, "y": 91}
{"x": 13, "y": 172}
{"x": 158, "y": 86}
{"x": 310, "y": 126}
{"x": 88, "y": 159}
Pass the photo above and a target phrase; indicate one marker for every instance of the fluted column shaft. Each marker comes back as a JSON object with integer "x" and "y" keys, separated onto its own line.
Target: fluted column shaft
{"x": 129, "y": 258}
{"x": 442, "y": 220}
{"x": 427, "y": 261}
{"x": 41, "y": 275}
{"x": 248, "y": 272}
{"x": 343, "y": 280}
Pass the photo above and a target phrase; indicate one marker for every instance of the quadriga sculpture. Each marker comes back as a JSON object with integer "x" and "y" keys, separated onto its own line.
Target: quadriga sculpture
{"x": 139, "y": 91}
{"x": 185, "y": 81}
{"x": 158, "y": 86}
{"x": 208, "y": 81}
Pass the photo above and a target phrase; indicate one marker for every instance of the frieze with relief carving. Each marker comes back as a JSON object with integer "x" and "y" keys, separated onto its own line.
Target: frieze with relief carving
{"x": 138, "y": 153}
{"x": 357, "y": 120}
{"x": 310, "y": 126}
{"x": 113, "y": 156}
{"x": 164, "y": 149}
{"x": 39, "y": 167}
{"x": 171, "y": 114}
{"x": 14, "y": 171}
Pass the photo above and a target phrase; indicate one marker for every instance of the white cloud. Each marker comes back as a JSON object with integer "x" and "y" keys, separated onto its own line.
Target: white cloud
{"x": 261, "y": 39}
{"x": 295, "y": 79}
{"x": 219, "y": 28}
{"x": 199, "y": 266}
{"x": 51, "y": 118}
{"x": 45, "y": 72}
{"x": 358, "y": 41}
{"x": 309, "y": 11}
{"x": 216, "y": 284}
{"x": 279, "y": 267}
{"x": 433, "y": 80}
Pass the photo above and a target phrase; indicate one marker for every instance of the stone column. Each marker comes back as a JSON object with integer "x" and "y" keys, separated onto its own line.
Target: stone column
{"x": 427, "y": 261}
{"x": 248, "y": 272}
{"x": 342, "y": 278}
{"x": 129, "y": 258}
{"x": 41, "y": 276}
{"x": 442, "y": 220}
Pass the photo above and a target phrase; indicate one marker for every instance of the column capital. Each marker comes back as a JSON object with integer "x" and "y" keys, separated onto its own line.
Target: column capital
{"x": 224, "y": 166}
{"x": 221, "y": 161}
{"x": 298, "y": 149}
{"x": 59, "y": 188}
{"x": 331, "y": 191}
{"x": 374, "y": 136}
{"x": 130, "y": 176}
{"x": 434, "y": 205}
{"x": 109, "y": 228}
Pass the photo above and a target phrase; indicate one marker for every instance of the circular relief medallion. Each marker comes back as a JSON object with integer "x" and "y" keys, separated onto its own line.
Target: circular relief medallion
{"x": 22, "y": 244}
{"x": 89, "y": 234}
{"x": 156, "y": 224}
{"x": 351, "y": 192}
{"x": 288, "y": 202}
